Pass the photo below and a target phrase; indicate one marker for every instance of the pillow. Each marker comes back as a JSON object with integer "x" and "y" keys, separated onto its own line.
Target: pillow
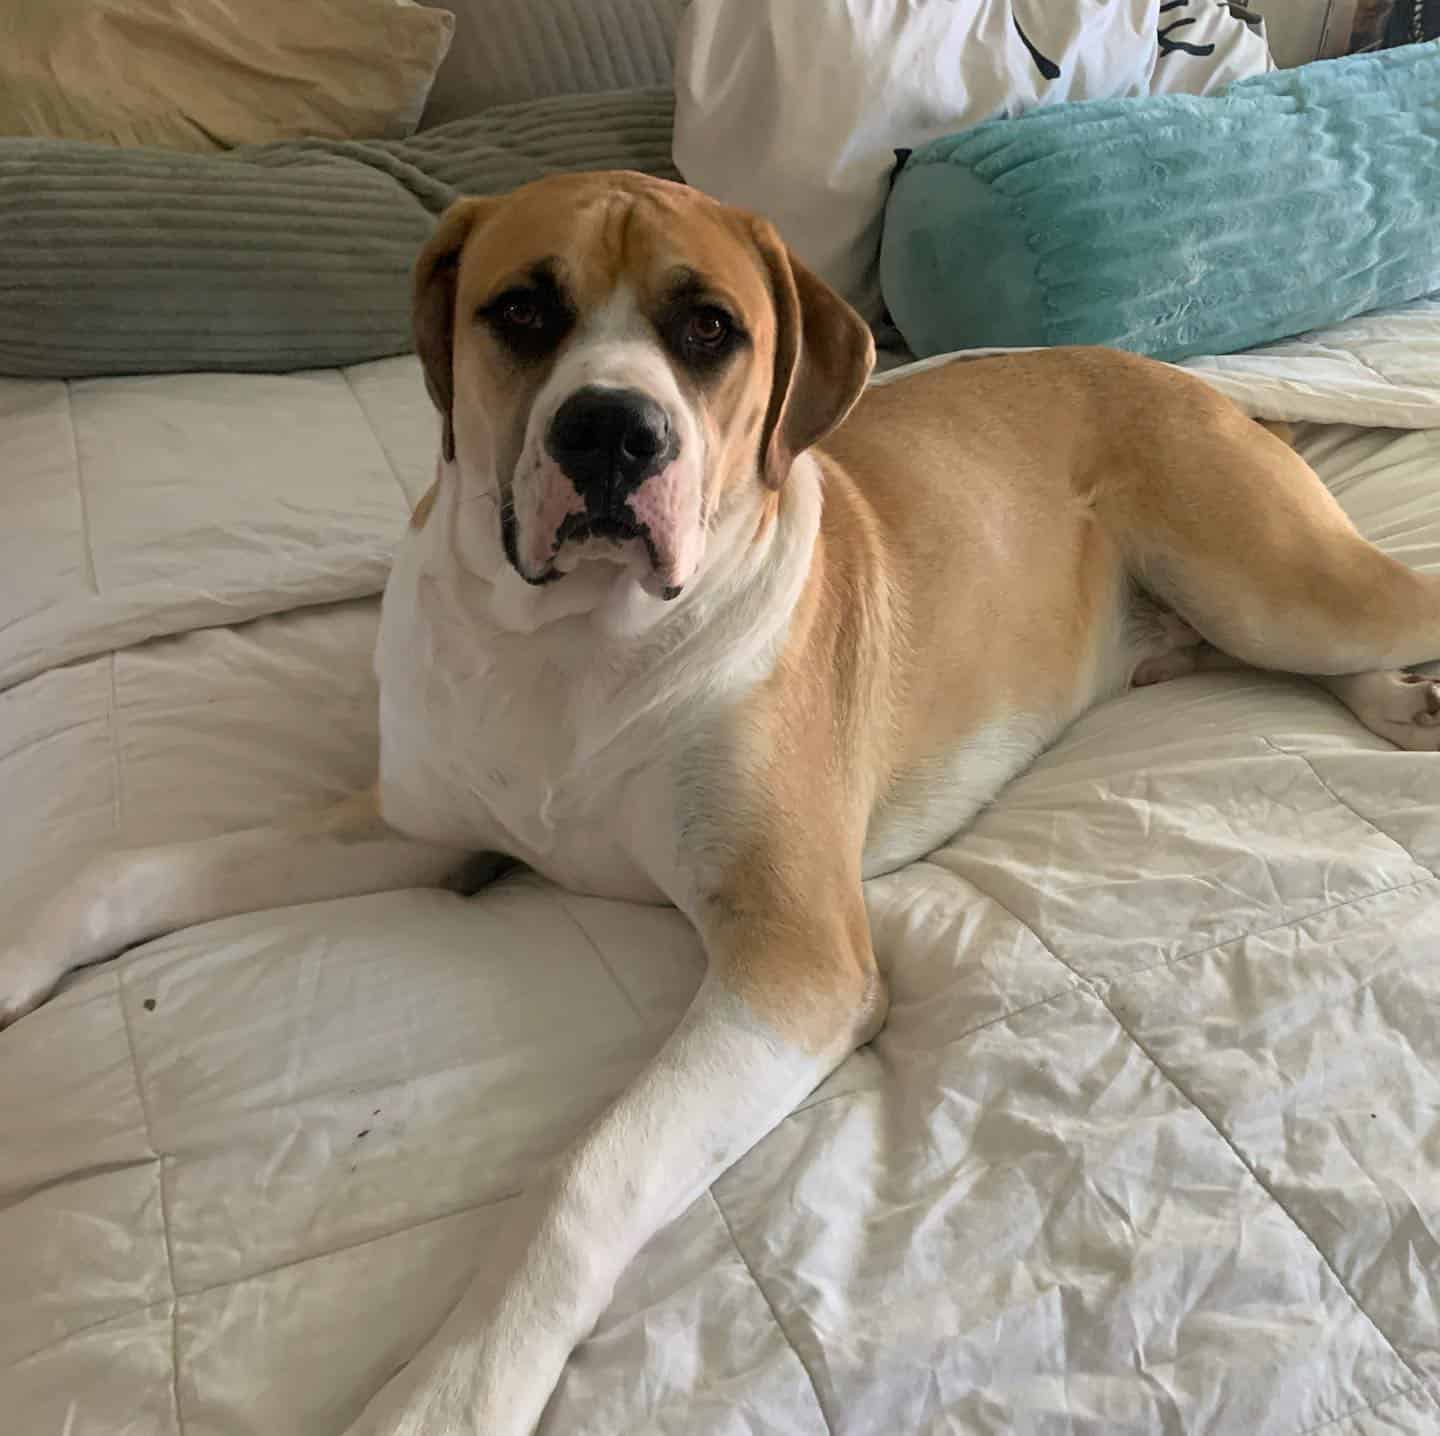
{"x": 1299, "y": 31}
{"x": 286, "y": 256}
{"x": 507, "y": 51}
{"x": 811, "y": 100}
{"x": 1176, "y": 226}
{"x": 206, "y": 74}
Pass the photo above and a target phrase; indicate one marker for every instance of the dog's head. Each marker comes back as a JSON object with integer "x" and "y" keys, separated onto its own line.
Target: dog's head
{"x": 624, "y": 361}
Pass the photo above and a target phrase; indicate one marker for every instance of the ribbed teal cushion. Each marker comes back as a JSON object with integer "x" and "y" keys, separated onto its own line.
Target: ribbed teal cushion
{"x": 1176, "y": 226}
{"x": 283, "y": 256}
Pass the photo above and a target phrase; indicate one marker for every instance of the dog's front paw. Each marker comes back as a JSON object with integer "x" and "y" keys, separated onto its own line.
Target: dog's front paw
{"x": 26, "y": 980}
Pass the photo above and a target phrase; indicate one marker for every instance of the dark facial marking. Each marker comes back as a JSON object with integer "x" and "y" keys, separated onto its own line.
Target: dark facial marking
{"x": 532, "y": 314}
{"x": 698, "y": 327}
{"x": 512, "y": 549}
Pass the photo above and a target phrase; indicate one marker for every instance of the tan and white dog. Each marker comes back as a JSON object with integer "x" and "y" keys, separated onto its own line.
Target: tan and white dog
{"x": 690, "y": 616}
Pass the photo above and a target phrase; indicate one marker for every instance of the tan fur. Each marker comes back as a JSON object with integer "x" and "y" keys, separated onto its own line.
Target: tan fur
{"x": 790, "y": 905}
{"x": 421, "y": 511}
{"x": 982, "y": 527}
{"x": 1281, "y": 430}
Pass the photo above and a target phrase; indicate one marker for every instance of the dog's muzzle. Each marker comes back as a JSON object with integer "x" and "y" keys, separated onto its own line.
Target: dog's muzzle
{"x": 615, "y": 478}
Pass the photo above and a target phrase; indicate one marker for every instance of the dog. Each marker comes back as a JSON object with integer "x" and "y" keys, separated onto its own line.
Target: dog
{"x": 692, "y": 615}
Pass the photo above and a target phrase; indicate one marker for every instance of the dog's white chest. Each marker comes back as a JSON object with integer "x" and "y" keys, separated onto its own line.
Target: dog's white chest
{"x": 506, "y": 742}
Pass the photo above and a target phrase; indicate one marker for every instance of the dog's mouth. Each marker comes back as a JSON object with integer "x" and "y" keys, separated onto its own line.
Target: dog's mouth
{"x": 614, "y": 526}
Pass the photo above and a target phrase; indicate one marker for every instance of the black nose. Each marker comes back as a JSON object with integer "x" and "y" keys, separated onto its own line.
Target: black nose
{"x": 609, "y": 441}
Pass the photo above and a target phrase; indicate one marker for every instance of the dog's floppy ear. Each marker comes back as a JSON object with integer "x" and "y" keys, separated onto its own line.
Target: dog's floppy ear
{"x": 823, "y": 355}
{"x": 433, "y": 307}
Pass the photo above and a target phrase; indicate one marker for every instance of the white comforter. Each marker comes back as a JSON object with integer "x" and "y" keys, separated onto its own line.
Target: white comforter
{"x": 1151, "y": 1141}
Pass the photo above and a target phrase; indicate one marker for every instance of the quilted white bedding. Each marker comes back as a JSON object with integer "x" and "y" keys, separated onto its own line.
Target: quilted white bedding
{"x": 1150, "y": 1143}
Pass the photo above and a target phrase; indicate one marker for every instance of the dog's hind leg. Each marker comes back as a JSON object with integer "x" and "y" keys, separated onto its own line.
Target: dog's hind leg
{"x": 1233, "y": 530}
{"x": 131, "y": 896}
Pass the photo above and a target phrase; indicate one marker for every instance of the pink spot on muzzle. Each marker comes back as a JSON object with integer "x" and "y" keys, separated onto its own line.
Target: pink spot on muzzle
{"x": 559, "y": 499}
{"x": 664, "y": 510}
{"x": 667, "y": 506}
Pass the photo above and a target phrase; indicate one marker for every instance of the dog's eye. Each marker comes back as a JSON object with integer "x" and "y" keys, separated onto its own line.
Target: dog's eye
{"x": 707, "y": 328}
{"x": 521, "y": 314}
{"x": 529, "y": 322}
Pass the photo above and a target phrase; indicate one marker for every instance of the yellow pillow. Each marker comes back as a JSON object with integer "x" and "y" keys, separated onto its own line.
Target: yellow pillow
{"x": 209, "y": 74}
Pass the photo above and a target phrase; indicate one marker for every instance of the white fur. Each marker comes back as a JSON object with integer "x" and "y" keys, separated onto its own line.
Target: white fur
{"x": 1401, "y": 707}
{"x": 548, "y": 723}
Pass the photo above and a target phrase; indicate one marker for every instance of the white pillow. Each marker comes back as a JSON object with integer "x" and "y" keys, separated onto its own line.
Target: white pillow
{"x": 795, "y": 109}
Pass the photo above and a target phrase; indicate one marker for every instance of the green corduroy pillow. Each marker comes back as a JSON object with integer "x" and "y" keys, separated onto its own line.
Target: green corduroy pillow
{"x": 285, "y": 256}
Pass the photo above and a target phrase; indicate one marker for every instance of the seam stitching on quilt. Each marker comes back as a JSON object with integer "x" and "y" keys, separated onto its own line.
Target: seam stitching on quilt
{"x": 604, "y": 961}
{"x": 356, "y": 1246}
{"x": 267, "y": 1271}
{"x": 117, "y": 781}
{"x": 375, "y": 435}
{"x": 1350, "y": 807}
{"x": 1274, "y": 927}
{"x": 774, "y": 1315}
{"x": 1080, "y": 984}
{"x": 1356, "y": 357}
{"x": 80, "y": 493}
{"x": 1265, "y": 1187}
{"x": 164, "y": 1202}
{"x": 1397, "y": 1395}
{"x": 19, "y": 1361}
{"x": 1089, "y": 984}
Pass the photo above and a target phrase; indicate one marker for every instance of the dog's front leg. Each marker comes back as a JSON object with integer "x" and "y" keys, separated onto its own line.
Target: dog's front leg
{"x": 783, "y": 1002}
{"x": 131, "y": 896}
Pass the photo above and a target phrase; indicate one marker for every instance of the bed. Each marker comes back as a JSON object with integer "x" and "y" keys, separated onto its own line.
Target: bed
{"x": 1150, "y": 1141}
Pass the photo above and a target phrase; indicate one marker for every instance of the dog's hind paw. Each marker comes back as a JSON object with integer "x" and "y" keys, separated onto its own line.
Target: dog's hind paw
{"x": 1403, "y": 707}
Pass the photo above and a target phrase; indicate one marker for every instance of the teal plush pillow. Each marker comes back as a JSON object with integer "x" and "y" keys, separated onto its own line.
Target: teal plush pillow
{"x": 1175, "y": 226}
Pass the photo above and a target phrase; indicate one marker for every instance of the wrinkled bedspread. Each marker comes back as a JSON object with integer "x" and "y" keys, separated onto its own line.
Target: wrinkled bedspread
{"x": 1150, "y": 1142}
